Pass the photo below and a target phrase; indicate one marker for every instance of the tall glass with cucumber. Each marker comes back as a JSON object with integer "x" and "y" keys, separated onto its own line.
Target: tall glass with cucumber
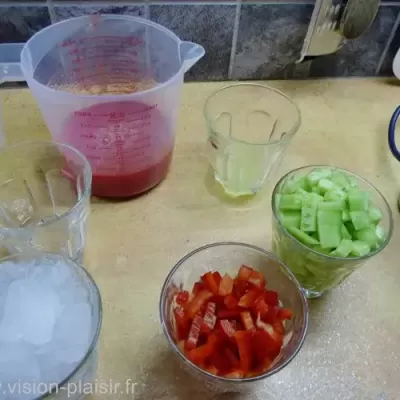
{"x": 327, "y": 222}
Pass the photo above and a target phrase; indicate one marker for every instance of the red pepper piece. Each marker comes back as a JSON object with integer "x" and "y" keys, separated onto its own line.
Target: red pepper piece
{"x": 225, "y": 286}
{"x": 194, "y": 333}
{"x": 197, "y": 302}
{"x": 247, "y": 321}
{"x": 199, "y": 354}
{"x": 231, "y": 356}
{"x": 260, "y": 307}
{"x": 261, "y": 368}
{"x": 181, "y": 323}
{"x": 240, "y": 287}
{"x": 257, "y": 279}
{"x": 278, "y": 327}
{"x": 217, "y": 277}
{"x": 231, "y": 301}
{"x": 211, "y": 369}
{"x": 277, "y": 337}
{"x": 244, "y": 343}
{"x": 264, "y": 346}
{"x": 182, "y": 298}
{"x": 248, "y": 299}
{"x": 197, "y": 287}
{"x": 236, "y": 373}
{"x": 244, "y": 272}
{"x": 226, "y": 329}
{"x": 210, "y": 282}
{"x": 209, "y": 319}
{"x": 229, "y": 313}
{"x": 284, "y": 314}
{"x": 271, "y": 298}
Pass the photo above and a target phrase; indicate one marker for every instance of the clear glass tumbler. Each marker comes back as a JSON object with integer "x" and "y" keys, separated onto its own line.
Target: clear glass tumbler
{"x": 318, "y": 272}
{"x": 44, "y": 198}
{"x": 249, "y": 127}
{"x": 226, "y": 257}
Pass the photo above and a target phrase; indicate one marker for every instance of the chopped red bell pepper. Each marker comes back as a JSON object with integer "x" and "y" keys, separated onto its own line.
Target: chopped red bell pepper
{"x": 182, "y": 298}
{"x": 209, "y": 319}
{"x": 232, "y": 357}
{"x": 197, "y": 287}
{"x": 210, "y": 282}
{"x": 211, "y": 369}
{"x": 278, "y": 327}
{"x": 244, "y": 343}
{"x": 181, "y": 323}
{"x": 237, "y": 373}
{"x": 240, "y": 287}
{"x": 226, "y": 329}
{"x": 197, "y": 302}
{"x": 231, "y": 301}
{"x": 271, "y": 298}
{"x": 194, "y": 333}
{"x": 284, "y": 314}
{"x": 230, "y": 326}
{"x": 248, "y": 299}
{"x": 257, "y": 279}
{"x": 217, "y": 277}
{"x": 244, "y": 272}
{"x": 229, "y": 313}
{"x": 226, "y": 286}
{"x": 260, "y": 307}
{"x": 247, "y": 321}
{"x": 277, "y": 337}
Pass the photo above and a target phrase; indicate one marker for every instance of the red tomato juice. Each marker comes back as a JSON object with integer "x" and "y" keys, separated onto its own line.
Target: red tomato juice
{"x": 128, "y": 144}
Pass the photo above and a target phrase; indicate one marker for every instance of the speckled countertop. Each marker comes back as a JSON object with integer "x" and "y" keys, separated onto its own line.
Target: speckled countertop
{"x": 352, "y": 351}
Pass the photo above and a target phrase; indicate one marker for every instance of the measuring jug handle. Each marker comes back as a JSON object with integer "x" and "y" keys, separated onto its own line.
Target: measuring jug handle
{"x": 190, "y": 54}
{"x": 391, "y": 134}
{"x": 10, "y": 62}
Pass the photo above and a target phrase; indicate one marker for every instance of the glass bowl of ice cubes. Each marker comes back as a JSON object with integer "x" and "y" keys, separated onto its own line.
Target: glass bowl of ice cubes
{"x": 50, "y": 320}
{"x": 327, "y": 222}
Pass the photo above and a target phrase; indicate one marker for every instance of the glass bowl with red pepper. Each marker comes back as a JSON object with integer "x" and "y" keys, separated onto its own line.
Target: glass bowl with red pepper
{"x": 233, "y": 313}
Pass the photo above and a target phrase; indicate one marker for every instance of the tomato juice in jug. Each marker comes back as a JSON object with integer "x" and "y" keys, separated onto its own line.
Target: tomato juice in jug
{"x": 128, "y": 144}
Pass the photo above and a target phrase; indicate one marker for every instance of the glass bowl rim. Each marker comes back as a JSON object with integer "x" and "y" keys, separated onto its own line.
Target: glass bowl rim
{"x": 39, "y": 254}
{"x": 290, "y": 275}
{"x": 286, "y": 137}
{"x": 87, "y": 171}
{"x": 327, "y": 256}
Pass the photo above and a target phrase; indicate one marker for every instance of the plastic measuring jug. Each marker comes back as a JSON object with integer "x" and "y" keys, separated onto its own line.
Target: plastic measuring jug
{"x": 249, "y": 128}
{"x": 109, "y": 85}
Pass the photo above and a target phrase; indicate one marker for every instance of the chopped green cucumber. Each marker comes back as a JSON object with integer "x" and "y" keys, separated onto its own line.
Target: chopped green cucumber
{"x": 329, "y": 236}
{"x": 290, "y": 202}
{"x": 301, "y": 236}
{"x": 345, "y": 216}
{"x": 317, "y": 174}
{"x": 331, "y": 205}
{"x": 335, "y": 194}
{"x": 325, "y": 185}
{"x": 292, "y": 185}
{"x": 380, "y": 234}
{"x": 358, "y": 201}
{"x": 329, "y": 217}
{"x": 345, "y": 233}
{"x": 290, "y": 218}
{"x": 309, "y": 214}
{"x": 360, "y": 248}
{"x": 375, "y": 214}
{"x": 368, "y": 235}
{"x": 360, "y": 219}
{"x": 340, "y": 179}
{"x": 344, "y": 249}
{"x": 277, "y": 201}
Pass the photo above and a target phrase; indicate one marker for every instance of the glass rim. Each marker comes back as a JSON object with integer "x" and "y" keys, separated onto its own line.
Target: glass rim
{"x": 288, "y": 134}
{"x": 87, "y": 171}
{"x": 290, "y": 276}
{"x": 38, "y": 254}
{"x": 327, "y": 256}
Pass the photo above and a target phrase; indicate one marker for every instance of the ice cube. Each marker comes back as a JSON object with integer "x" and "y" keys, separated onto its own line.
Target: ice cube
{"x": 30, "y": 312}
{"x": 72, "y": 333}
{"x": 72, "y": 291}
{"x": 59, "y": 273}
{"x": 18, "y": 365}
